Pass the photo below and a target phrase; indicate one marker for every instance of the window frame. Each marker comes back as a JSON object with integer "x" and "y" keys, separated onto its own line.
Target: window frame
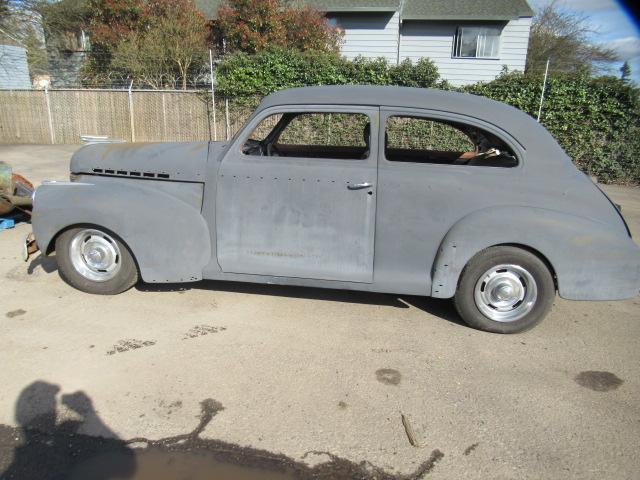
{"x": 457, "y": 38}
{"x": 436, "y": 115}
{"x": 373, "y": 113}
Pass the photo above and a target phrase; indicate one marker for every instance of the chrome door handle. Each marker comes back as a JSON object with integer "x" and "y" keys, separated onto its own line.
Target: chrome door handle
{"x": 359, "y": 186}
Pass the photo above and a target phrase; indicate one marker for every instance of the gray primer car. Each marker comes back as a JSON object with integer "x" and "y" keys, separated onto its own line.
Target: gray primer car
{"x": 500, "y": 228}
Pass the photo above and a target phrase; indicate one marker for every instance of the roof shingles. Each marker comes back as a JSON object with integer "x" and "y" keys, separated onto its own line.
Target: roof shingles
{"x": 412, "y": 9}
{"x": 355, "y": 5}
{"x": 465, "y": 9}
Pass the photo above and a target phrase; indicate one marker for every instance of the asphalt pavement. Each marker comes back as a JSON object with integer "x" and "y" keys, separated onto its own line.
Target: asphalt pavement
{"x": 228, "y": 380}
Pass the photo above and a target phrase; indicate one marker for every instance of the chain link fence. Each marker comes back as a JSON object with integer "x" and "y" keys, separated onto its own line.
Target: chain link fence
{"x": 61, "y": 116}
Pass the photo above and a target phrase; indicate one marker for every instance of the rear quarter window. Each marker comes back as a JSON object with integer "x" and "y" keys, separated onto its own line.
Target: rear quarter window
{"x": 418, "y": 139}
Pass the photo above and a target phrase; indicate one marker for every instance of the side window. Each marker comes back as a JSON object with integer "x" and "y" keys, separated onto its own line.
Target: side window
{"x": 265, "y": 127}
{"x": 424, "y": 140}
{"x": 312, "y": 135}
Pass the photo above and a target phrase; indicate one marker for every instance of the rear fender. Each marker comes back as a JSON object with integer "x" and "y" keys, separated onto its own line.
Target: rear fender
{"x": 166, "y": 233}
{"x": 591, "y": 260}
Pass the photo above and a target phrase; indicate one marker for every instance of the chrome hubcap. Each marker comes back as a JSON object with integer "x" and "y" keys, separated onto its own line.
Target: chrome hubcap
{"x": 95, "y": 255}
{"x": 505, "y": 293}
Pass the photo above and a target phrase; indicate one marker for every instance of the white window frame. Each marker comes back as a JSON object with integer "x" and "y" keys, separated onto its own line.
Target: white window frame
{"x": 457, "y": 41}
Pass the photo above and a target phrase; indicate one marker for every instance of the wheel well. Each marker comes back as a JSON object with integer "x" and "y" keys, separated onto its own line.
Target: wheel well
{"x": 535, "y": 252}
{"x": 52, "y": 243}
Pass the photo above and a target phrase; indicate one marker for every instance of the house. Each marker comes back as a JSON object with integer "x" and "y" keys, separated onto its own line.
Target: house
{"x": 469, "y": 40}
{"x": 14, "y": 69}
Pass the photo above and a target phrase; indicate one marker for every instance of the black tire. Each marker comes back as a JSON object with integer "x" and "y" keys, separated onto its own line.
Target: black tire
{"x": 125, "y": 277}
{"x": 485, "y": 260}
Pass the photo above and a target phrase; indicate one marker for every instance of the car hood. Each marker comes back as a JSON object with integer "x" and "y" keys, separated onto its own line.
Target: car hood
{"x": 165, "y": 161}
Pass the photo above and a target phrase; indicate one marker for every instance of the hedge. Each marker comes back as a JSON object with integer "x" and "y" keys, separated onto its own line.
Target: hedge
{"x": 243, "y": 75}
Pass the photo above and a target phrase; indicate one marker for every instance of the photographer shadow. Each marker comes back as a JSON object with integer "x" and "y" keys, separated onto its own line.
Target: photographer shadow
{"x": 52, "y": 445}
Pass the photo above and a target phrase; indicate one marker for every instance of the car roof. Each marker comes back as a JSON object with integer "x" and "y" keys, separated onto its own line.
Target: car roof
{"x": 521, "y": 126}
{"x": 376, "y": 96}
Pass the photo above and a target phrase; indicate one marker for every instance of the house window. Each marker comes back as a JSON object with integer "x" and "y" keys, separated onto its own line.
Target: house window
{"x": 477, "y": 42}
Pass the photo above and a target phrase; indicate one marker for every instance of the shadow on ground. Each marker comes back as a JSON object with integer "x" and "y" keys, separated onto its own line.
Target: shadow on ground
{"x": 49, "y": 443}
{"x": 48, "y": 264}
{"x": 434, "y": 306}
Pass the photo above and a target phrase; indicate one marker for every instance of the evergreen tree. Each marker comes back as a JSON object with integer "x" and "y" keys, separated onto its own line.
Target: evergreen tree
{"x": 625, "y": 72}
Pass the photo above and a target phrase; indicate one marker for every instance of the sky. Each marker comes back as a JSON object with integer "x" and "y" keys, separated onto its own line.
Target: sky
{"x": 615, "y": 28}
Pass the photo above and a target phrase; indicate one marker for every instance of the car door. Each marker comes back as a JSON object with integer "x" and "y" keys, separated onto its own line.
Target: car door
{"x": 307, "y": 207}
{"x": 427, "y": 181}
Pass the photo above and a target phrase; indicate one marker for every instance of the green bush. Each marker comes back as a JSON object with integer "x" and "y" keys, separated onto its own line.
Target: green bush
{"x": 423, "y": 74}
{"x": 595, "y": 120}
{"x": 242, "y": 75}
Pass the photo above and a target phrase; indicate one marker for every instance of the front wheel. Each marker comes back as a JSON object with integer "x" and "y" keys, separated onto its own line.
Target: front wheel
{"x": 504, "y": 290}
{"x": 95, "y": 261}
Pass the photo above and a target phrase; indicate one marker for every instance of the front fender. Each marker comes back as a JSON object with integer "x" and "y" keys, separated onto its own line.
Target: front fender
{"x": 161, "y": 224}
{"x": 591, "y": 260}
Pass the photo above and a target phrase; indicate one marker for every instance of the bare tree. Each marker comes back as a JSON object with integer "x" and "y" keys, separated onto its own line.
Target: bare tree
{"x": 564, "y": 37}
{"x": 168, "y": 51}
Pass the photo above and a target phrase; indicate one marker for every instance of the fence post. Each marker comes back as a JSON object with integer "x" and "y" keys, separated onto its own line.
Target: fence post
{"x": 52, "y": 134}
{"x": 164, "y": 119}
{"x": 133, "y": 128}
{"x": 226, "y": 114}
{"x": 213, "y": 98}
{"x": 544, "y": 87}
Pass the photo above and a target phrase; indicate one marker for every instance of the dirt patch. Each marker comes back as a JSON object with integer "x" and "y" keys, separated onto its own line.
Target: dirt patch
{"x": 598, "y": 381}
{"x": 388, "y": 376}
{"x": 470, "y": 448}
{"x": 19, "y": 274}
{"x": 381, "y": 350}
{"x": 130, "y": 344}
{"x": 202, "y": 330}
{"x": 15, "y": 313}
{"x": 40, "y": 266}
{"x": 167, "y": 408}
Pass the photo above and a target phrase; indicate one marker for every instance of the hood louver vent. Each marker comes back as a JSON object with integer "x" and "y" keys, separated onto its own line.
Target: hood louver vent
{"x": 124, "y": 173}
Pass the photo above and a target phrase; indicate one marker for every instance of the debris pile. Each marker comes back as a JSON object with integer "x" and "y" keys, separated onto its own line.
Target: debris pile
{"x": 15, "y": 194}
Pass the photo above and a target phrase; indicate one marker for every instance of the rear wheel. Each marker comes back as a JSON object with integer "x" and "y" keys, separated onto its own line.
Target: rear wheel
{"x": 504, "y": 290}
{"x": 94, "y": 260}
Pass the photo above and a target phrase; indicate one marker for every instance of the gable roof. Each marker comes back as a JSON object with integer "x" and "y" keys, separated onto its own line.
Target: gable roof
{"x": 210, "y": 7}
{"x": 355, "y": 5}
{"x": 412, "y": 9}
{"x": 465, "y": 9}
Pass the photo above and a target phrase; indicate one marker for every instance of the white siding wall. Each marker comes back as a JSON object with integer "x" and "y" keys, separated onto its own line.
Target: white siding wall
{"x": 14, "y": 71}
{"x": 371, "y": 35}
{"x": 434, "y": 40}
